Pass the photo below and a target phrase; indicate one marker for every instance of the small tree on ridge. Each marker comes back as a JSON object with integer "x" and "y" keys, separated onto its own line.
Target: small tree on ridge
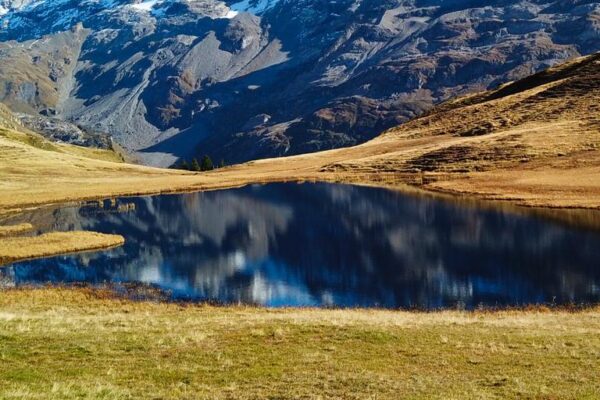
{"x": 195, "y": 165}
{"x": 207, "y": 164}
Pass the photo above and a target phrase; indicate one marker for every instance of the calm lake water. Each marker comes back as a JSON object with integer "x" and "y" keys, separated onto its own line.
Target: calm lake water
{"x": 324, "y": 245}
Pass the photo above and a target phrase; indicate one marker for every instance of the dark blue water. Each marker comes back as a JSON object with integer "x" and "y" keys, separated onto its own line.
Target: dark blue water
{"x": 325, "y": 245}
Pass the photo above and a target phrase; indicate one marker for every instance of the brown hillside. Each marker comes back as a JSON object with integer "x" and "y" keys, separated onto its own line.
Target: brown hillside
{"x": 535, "y": 136}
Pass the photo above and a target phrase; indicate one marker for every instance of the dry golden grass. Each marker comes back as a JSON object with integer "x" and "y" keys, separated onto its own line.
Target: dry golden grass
{"x": 13, "y": 230}
{"x": 67, "y": 344}
{"x": 87, "y": 152}
{"x": 18, "y": 248}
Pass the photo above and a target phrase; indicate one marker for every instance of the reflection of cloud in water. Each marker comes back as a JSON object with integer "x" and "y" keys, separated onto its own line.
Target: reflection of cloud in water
{"x": 218, "y": 235}
{"x": 290, "y": 244}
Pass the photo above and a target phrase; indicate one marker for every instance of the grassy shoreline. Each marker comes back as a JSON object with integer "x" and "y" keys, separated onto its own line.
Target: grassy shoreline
{"x": 83, "y": 343}
{"x": 13, "y": 249}
{"x": 13, "y": 230}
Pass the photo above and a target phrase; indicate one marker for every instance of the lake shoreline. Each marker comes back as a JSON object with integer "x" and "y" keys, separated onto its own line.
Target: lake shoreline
{"x": 403, "y": 186}
{"x": 146, "y": 293}
{"x": 562, "y": 214}
{"x": 191, "y": 235}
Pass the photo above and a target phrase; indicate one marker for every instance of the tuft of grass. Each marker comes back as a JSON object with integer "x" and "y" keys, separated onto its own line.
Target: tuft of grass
{"x": 84, "y": 343}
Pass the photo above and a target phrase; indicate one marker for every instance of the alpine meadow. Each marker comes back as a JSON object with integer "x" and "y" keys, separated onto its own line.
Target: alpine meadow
{"x": 299, "y": 199}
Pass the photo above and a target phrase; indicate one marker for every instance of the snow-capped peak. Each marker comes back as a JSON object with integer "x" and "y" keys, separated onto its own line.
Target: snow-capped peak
{"x": 156, "y": 8}
{"x": 24, "y": 5}
{"x": 251, "y": 6}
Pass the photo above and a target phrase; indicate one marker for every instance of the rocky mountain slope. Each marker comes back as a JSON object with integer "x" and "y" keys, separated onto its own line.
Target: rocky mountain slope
{"x": 249, "y": 79}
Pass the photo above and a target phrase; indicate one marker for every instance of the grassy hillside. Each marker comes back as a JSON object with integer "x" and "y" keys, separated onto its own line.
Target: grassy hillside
{"x": 36, "y": 171}
{"x": 11, "y": 131}
{"x": 536, "y": 141}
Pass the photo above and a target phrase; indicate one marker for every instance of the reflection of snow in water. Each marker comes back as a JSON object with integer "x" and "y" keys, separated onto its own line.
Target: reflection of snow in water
{"x": 263, "y": 290}
{"x": 150, "y": 274}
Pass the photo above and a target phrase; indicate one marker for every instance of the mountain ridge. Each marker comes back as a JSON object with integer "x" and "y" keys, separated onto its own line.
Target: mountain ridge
{"x": 300, "y": 77}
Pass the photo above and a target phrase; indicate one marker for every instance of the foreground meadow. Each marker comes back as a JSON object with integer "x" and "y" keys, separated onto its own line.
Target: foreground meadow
{"x": 67, "y": 344}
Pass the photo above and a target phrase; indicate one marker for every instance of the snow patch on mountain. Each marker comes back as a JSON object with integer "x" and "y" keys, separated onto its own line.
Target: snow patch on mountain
{"x": 231, "y": 14}
{"x": 145, "y": 6}
{"x": 256, "y": 7}
{"x": 25, "y": 5}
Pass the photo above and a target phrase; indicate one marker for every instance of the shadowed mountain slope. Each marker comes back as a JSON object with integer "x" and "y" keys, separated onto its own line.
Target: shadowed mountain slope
{"x": 246, "y": 80}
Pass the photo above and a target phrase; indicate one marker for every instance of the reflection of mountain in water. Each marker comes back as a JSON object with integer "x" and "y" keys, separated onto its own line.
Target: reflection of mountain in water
{"x": 321, "y": 244}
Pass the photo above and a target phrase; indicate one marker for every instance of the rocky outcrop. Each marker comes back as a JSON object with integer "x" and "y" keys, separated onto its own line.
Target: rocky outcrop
{"x": 58, "y": 130}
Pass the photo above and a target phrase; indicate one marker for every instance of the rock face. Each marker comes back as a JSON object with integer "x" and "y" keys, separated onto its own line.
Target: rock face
{"x": 59, "y": 130}
{"x": 257, "y": 78}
